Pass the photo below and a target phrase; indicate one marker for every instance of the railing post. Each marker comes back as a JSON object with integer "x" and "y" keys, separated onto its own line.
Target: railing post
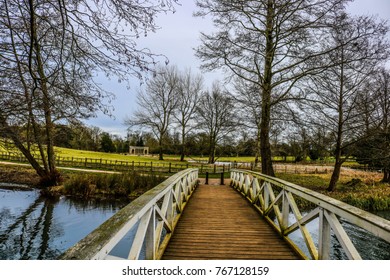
{"x": 222, "y": 179}
{"x": 324, "y": 237}
{"x": 207, "y": 178}
{"x": 285, "y": 210}
{"x": 150, "y": 237}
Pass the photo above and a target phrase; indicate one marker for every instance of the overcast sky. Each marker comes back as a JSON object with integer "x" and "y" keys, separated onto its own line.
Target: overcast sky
{"x": 176, "y": 39}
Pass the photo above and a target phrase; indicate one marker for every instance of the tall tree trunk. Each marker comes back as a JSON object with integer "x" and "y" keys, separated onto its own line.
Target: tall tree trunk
{"x": 160, "y": 149}
{"x": 258, "y": 147}
{"x": 17, "y": 142}
{"x": 337, "y": 167}
{"x": 265, "y": 145}
{"x": 211, "y": 150}
{"x": 42, "y": 172}
{"x": 183, "y": 139}
{"x": 336, "y": 173}
{"x": 53, "y": 177}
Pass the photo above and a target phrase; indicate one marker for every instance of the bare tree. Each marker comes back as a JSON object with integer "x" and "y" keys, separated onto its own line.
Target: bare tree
{"x": 246, "y": 94}
{"x": 189, "y": 90}
{"x": 156, "y": 104}
{"x": 216, "y": 117}
{"x": 379, "y": 101}
{"x": 374, "y": 103}
{"x": 272, "y": 44}
{"x": 359, "y": 47}
{"x": 50, "y": 51}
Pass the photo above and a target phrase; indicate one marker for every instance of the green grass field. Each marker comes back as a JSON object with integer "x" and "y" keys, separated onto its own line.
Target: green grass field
{"x": 82, "y": 154}
{"x": 65, "y": 152}
{"x": 69, "y": 153}
{"x": 73, "y": 153}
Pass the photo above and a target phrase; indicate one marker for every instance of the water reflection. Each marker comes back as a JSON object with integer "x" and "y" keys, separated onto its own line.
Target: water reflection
{"x": 369, "y": 246}
{"x": 33, "y": 227}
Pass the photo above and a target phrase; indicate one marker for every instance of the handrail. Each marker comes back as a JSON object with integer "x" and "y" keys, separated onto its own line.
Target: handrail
{"x": 143, "y": 227}
{"x": 274, "y": 199}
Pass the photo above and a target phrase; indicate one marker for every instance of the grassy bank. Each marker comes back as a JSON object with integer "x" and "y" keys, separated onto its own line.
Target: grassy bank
{"x": 129, "y": 185}
{"x": 360, "y": 189}
{"x": 18, "y": 174}
{"x": 85, "y": 184}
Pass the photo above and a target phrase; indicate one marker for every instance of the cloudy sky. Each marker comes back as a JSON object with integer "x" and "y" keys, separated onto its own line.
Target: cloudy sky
{"x": 176, "y": 39}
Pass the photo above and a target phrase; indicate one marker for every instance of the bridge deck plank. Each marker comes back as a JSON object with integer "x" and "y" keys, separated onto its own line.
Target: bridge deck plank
{"x": 218, "y": 223}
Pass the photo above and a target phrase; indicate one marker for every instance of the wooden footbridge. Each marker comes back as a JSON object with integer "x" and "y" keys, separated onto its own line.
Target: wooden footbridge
{"x": 220, "y": 224}
{"x": 252, "y": 216}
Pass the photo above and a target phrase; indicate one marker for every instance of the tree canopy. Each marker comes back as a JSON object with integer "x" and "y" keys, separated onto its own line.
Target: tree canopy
{"x": 50, "y": 54}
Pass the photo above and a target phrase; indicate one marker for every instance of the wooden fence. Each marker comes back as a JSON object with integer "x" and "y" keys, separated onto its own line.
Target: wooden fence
{"x": 169, "y": 167}
{"x": 124, "y": 166}
{"x": 287, "y": 168}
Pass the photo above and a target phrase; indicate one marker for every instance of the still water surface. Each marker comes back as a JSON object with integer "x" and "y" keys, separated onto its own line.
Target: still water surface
{"x": 369, "y": 246}
{"x": 32, "y": 227}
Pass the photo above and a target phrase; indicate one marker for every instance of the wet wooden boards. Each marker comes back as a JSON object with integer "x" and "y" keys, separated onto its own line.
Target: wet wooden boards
{"x": 218, "y": 223}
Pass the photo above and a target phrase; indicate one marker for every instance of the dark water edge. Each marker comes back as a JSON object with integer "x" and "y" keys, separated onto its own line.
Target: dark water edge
{"x": 34, "y": 227}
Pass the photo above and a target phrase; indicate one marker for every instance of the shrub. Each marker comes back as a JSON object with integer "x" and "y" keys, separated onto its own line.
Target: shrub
{"x": 124, "y": 184}
{"x": 79, "y": 185}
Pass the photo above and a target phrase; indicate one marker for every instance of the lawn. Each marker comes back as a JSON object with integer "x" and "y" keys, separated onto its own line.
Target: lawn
{"x": 65, "y": 152}
{"x": 358, "y": 188}
{"x": 73, "y": 153}
{"x": 69, "y": 153}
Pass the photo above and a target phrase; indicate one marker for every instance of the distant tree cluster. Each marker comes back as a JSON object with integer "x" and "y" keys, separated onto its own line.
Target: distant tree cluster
{"x": 174, "y": 100}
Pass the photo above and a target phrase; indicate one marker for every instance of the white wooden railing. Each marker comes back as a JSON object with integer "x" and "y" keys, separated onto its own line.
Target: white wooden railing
{"x": 142, "y": 229}
{"x": 276, "y": 199}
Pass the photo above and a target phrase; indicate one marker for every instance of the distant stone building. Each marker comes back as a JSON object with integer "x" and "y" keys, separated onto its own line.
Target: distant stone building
{"x": 137, "y": 150}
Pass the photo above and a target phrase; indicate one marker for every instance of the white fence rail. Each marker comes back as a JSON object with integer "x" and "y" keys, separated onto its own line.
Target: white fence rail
{"x": 277, "y": 199}
{"x": 143, "y": 228}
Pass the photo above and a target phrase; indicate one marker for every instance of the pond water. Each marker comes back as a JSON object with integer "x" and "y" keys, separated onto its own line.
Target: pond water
{"x": 32, "y": 227}
{"x": 369, "y": 246}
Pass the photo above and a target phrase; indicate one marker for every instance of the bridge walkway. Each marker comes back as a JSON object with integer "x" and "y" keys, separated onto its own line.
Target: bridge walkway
{"x": 218, "y": 223}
